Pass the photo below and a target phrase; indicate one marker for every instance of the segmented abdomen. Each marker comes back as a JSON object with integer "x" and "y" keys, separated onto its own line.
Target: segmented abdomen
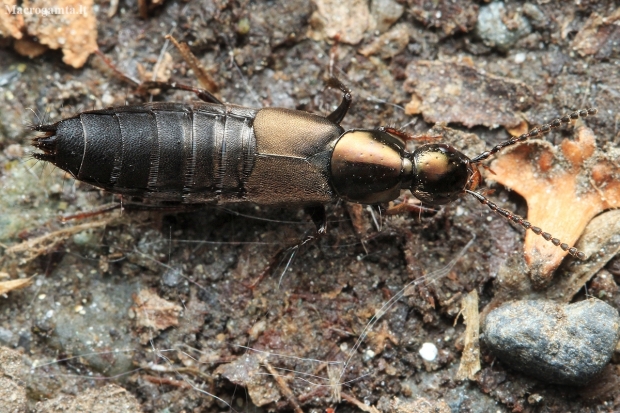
{"x": 164, "y": 151}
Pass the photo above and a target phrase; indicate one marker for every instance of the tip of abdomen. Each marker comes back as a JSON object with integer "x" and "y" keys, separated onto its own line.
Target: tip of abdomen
{"x": 61, "y": 143}
{"x": 46, "y": 142}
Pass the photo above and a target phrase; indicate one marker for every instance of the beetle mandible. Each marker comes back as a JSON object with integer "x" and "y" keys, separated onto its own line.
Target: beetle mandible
{"x": 215, "y": 153}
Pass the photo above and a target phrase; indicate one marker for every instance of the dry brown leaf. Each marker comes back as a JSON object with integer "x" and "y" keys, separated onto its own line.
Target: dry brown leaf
{"x": 601, "y": 238}
{"x": 11, "y": 24}
{"x": 564, "y": 188}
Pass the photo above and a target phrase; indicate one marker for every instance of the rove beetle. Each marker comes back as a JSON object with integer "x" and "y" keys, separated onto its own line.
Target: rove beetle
{"x": 166, "y": 154}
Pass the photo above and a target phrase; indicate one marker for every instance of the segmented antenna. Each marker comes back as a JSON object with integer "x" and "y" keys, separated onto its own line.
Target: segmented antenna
{"x": 536, "y": 132}
{"x": 527, "y": 225}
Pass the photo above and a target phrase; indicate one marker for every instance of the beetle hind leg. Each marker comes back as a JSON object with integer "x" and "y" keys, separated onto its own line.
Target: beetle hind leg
{"x": 203, "y": 77}
{"x": 202, "y": 94}
{"x": 319, "y": 217}
{"x": 286, "y": 255}
{"x": 341, "y": 111}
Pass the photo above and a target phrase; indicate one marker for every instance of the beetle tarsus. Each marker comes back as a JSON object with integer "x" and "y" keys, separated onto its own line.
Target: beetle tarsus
{"x": 319, "y": 217}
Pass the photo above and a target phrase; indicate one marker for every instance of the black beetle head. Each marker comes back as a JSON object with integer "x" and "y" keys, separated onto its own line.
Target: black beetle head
{"x": 440, "y": 173}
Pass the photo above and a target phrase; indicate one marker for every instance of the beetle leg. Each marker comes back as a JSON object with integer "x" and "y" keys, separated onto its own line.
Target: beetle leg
{"x": 202, "y": 94}
{"x": 203, "y": 76}
{"x": 408, "y": 137}
{"x": 407, "y": 206}
{"x": 104, "y": 209}
{"x": 319, "y": 217}
{"x": 341, "y": 111}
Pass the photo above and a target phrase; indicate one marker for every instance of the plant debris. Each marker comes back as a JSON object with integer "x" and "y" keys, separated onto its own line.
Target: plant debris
{"x": 599, "y": 36}
{"x": 599, "y": 240}
{"x": 7, "y": 286}
{"x": 44, "y": 244}
{"x": 154, "y": 314}
{"x": 470, "y": 358}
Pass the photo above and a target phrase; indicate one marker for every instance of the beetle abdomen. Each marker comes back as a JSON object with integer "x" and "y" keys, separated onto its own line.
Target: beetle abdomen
{"x": 164, "y": 152}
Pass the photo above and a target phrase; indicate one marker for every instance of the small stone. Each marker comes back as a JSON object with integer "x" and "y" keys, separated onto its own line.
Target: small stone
{"x": 449, "y": 16}
{"x": 368, "y": 355}
{"x": 172, "y": 277}
{"x": 428, "y": 351}
{"x": 498, "y": 29}
{"x": 344, "y": 20}
{"x": 557, "y": 343}
{"x": 6, "y": 336}
{"x": 385, "y": 13}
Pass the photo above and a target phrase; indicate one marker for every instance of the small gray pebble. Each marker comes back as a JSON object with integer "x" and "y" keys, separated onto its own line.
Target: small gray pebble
{"x": 6, "y": 336}
{"x": 172, "y": 277}
{"x": 556, "y": 343}
{"x": 385, "y": 12}
{"x": 491, "y": 29}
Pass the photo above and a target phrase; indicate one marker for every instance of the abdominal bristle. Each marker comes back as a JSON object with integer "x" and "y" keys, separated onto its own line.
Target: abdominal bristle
{"x": 47, "y": 157}
{"x": 45, "y": 142}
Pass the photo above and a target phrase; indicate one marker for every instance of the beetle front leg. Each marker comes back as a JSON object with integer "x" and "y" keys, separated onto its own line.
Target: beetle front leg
{"x": 408, "y": 137}
{"x": 407, "y": 206}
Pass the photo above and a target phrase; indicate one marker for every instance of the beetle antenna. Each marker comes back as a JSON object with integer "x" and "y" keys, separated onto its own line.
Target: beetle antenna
{"x": 510, "y": 216}
{"x": 536, "y": 132}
